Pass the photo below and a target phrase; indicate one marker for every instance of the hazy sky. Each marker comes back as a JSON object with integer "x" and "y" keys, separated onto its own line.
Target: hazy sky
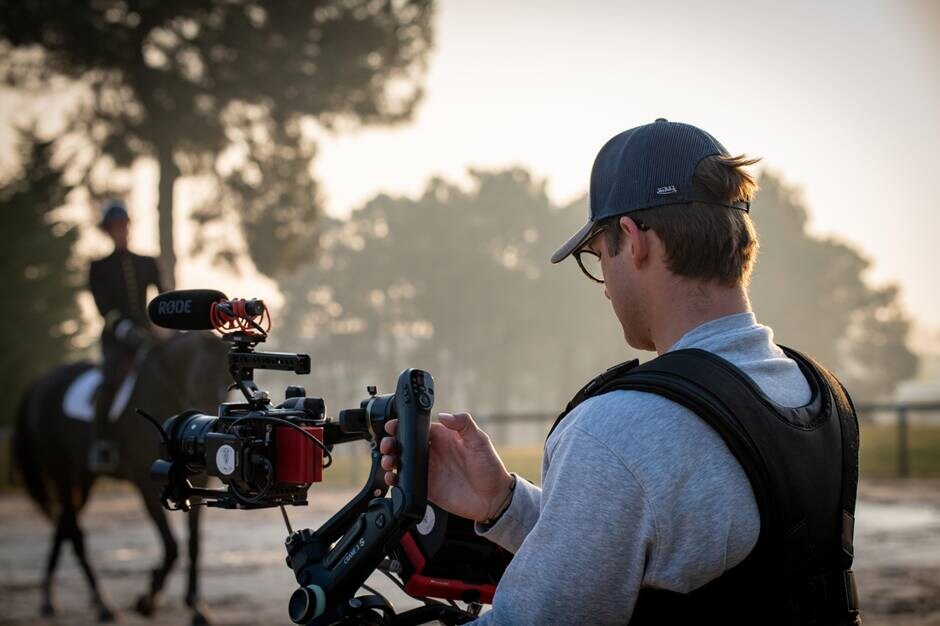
{"x": 841, "y": 98}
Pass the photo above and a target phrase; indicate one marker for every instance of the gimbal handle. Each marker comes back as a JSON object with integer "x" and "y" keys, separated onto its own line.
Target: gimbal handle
{"x": 330, "y": 571}
{"x": 414, "y": 397}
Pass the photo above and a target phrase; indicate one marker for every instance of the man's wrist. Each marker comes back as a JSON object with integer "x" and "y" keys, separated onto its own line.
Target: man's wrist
{"x": 503, "y": 506}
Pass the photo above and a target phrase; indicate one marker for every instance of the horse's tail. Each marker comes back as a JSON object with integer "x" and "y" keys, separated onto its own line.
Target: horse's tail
{"x": 25, "y": 458}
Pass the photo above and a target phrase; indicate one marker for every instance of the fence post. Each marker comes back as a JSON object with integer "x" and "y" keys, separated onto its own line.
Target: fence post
{"x": 904, "y": 467}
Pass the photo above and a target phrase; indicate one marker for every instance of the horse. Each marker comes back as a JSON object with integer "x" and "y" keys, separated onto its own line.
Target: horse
{"x": 51, "y": 448}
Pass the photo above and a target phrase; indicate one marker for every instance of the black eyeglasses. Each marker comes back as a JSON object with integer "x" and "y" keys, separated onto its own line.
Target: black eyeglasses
{"x": 590, "y": 261}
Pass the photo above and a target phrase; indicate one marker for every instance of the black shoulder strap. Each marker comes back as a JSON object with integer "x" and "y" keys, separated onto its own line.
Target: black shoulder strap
{"x": 848, "y": 423}
{"x": 591, "y": 388}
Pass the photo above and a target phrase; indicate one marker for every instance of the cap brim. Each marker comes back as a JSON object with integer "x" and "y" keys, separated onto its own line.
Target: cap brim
{"x": 575, "y": 242}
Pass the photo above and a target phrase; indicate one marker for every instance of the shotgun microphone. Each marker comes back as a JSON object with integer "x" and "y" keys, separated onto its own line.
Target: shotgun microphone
{"x": 186, "y": 309}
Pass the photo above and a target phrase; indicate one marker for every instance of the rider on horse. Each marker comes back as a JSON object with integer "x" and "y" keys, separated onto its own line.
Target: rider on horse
{"x": 119, "y": 284}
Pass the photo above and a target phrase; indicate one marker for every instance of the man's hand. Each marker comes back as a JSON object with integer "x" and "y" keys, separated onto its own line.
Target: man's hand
{"x": 465, "y": 475}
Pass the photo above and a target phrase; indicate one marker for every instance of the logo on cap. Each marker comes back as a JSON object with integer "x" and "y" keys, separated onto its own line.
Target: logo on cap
{"x": 665, "y": 191}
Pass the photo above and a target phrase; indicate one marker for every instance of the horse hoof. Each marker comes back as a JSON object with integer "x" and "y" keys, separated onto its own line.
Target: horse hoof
{"x": 201, "y": 614}
{"x": 201, "y": 619}
{"x": 106, "y": 615}
{"x": 145, "y": 605}
{"x": 48, "y": 609}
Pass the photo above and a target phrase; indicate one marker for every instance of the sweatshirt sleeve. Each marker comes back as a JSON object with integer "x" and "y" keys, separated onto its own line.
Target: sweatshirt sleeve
{"x": 517, "y": 520}
{"x": 584, "y": 556}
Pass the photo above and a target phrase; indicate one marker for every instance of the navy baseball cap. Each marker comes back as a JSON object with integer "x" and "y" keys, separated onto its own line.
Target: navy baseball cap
{"x": 113, "y": 211}
{"x": 646, "y": 167}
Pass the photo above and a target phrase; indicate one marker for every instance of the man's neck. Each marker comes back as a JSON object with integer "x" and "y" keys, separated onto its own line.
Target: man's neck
{"x": 703, "y": 305}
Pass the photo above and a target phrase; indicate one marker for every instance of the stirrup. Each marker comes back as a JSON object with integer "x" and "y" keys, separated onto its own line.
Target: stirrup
{"x": 103, "y": 457}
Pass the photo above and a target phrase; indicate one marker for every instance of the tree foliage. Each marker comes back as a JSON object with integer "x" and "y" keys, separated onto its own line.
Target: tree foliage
{"x": 458, "y": 282}
{"x": 39, "y": 275}
{"x": 188, "y": 81}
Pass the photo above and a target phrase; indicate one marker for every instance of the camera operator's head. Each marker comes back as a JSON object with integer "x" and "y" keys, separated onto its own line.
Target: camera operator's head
{"x": 669, "y": 233}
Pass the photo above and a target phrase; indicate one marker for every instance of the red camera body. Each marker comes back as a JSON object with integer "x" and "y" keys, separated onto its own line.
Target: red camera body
{"x": 299, "y": 460}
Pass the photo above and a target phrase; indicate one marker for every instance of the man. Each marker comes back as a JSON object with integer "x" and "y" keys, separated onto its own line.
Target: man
{"x": 119, "y": 285}
{"x": 716, "y": 482}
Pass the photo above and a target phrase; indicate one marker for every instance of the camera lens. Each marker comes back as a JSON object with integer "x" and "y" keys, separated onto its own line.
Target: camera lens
{"x": 187, "y": 433}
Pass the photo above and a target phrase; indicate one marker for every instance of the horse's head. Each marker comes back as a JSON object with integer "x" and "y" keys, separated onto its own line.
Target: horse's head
{"x": 193, "y": 370}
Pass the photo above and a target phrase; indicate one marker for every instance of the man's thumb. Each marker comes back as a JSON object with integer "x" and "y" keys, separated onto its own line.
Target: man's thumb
{"x": 461, "y": 422}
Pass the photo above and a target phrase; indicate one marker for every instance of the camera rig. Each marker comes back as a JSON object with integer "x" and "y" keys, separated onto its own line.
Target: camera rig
{"x": 269, "y": 455}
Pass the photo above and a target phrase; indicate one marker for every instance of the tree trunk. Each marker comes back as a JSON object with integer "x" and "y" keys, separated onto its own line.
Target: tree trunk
{"x": 169, "y": 172}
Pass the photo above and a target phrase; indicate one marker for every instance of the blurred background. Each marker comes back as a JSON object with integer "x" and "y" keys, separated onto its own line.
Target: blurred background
{"x": 392, "y": 178}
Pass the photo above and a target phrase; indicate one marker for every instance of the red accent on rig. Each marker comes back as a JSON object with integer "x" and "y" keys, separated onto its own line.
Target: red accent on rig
{"x": 419, "y": 586}
{"x": 248, "y": 316}
{"x": 299, "y": 460}
{"x": 413, "y": 553}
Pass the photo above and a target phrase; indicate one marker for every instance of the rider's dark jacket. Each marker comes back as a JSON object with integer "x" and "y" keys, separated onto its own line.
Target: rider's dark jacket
{"x": 119, "y": 284}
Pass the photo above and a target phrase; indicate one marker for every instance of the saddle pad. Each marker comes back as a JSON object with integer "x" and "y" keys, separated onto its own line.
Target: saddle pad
{"x": 78, "y": 402}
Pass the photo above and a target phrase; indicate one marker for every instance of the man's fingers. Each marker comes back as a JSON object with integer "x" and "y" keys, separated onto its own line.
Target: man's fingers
{"x": 388, "y": 445}
{"x": 391, "y": 426}
{"x": 391, "y": 478}
{"x": 389, "y": 462}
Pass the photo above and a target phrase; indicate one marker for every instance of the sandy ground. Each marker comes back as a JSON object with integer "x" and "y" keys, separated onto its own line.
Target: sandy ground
{"x": 245, "y": 580}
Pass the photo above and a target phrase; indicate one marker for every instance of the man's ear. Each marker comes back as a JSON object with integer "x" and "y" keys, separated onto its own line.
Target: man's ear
{"x": 636, "y": 243}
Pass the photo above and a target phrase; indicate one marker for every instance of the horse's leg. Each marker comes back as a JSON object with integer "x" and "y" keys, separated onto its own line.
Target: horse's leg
{"x": 48, "y": 605}
{"x": 200, "y": 610}
{"x": 105, "y": 613}
{"x": 147, "y": 603}
{"x": 68, "y": 525}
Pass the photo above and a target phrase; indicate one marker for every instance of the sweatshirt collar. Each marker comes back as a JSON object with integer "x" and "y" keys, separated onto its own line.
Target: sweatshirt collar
{"x": 712, "y": 328}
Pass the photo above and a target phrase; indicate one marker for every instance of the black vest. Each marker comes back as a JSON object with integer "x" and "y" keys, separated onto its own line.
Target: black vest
{"x": 802, "y": 464}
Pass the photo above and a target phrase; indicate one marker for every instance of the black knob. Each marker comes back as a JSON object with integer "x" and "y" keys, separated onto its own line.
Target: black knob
{"x": 316, "y": 407}
{"x": 295, "y": 391}
{"x": 424, "y": 401}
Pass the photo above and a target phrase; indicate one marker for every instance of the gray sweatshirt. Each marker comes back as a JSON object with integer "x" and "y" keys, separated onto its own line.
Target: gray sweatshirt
{"x": 637, "y": 491}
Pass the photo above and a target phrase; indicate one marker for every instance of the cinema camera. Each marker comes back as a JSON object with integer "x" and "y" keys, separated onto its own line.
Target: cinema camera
{"x": 269, "y": 455}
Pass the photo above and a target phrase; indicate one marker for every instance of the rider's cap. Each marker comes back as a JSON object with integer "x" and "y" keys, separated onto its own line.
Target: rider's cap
{"x": 645, "y": 167}
{"x": 113, "y": 210}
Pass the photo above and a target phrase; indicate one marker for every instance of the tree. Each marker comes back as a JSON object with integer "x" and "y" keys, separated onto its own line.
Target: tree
{"x": 183, "y": 82}
{"x": 36, "y": 252}
{"x": 813, "y": 292}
